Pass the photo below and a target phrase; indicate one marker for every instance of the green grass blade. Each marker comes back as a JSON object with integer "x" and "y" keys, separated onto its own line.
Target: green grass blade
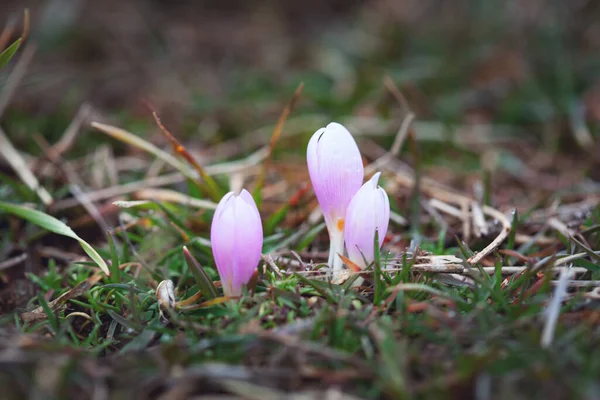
{"x": 133, "y": 140}
{"x": 309, "y": 236}
{"x": 52, "y": 224}
{"x": 48, "y": 311}
{"x": 275, "y": 219}
{"x": 9, "y": 52}
{"x": 116, "y": 271}
{"x": 513, "y": 231}
{"x": 202, "y": 279}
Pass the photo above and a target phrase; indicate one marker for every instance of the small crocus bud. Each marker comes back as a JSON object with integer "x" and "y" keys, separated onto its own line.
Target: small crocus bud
{"x": 336, "y": 172}
{"x": 368, "y": 211}
{"x": 236, "y": 237}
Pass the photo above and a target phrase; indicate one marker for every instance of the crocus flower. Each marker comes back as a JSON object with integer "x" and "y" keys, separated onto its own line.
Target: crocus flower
{"x": 336, "y": 171}
{"x": 236, "y": 238}
{"x": 368, "y": 211}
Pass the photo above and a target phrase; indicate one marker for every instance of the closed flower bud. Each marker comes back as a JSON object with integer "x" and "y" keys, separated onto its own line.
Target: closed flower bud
{"x": 336, "y": 172}
{"x": 236, "y": 237}
{"x": 368, "y": 212}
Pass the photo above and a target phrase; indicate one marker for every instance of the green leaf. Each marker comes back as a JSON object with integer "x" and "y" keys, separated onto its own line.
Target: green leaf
{"x": 52, "y": 224}
{"x": 275, "y": 219}
{"x": 49, "y": 313}
{"x": 204, "y": 282}
{"x": 124, "y": 321}
{"x": 9, "y": 52}
{"x": 379, "y": 277}
{"x": 309, "y": 236}
{"x": 513, "y": 231}
{"x": 115, "y": 264}
{"x": 324, "y": 289}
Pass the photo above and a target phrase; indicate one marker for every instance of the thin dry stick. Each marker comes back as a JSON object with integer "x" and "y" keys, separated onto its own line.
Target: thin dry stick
{"x": 466, "y": 221}
{"x": 560, "y": 227}
{"x": 26, "y": 25}
{"x": 554, "y": 309}
{"x": 579, "y": 128}
{"x": 171, "y": 196}
{"x": 131, "y": 139}
{"x": 572, "y": 257}
{"x": 11, "y": 262}
{"x": 236, "y": 181}
{"x": 16, "y": 161}
{"x": 435, "y": 190}
{"x": 446, "y": 208}
{"x": 564, "y": 211}
{"x": 506, "y": 226}
{"x": 110, "y": 167}
{"x": 181, "y": 150}
{"x": 127, "y": 188}
{"x": 15, "y": 77}
{"x": 248, "y": 164}
{"x": 268, "y": 259}
{"x": 68, "y": 137}
{"x": 89, "y": 206}
{"x": 401, "y": 136}
{"x": 449, "y": 269}
{"x": 393, "y": 88}
{"x": 9, "y": 28}
{"x": 579, "y": 283}
{"x": 434, "y": 214}
{"x": 405, "y": 127}
{"x": 155, "y": 167}
{"x": 437, "y": 264}
{"x": 277, "y": 132}
{"x": 479, "y": 225}
{"x": 398, "y": 219}
{"x": 74, "y": 181}
{"x": 7, "y": 32}
{"x": 402, "y": 133}
{"x": 521, "y": 238}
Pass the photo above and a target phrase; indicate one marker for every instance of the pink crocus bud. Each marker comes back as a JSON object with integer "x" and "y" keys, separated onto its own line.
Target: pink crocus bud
{"x": 236, "y": 237}
{"x": 368, "y": 211}
{"x": 336, "y": 171}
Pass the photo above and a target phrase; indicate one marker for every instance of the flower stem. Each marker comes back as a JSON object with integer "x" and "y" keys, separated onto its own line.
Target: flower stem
{"x": 336, "y": 247}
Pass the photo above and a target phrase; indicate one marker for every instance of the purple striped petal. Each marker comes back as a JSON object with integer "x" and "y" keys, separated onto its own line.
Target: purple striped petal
{"x": 336, "y": 171}
{"x": 368, "y": 211}
{"x": 236, "y": 239}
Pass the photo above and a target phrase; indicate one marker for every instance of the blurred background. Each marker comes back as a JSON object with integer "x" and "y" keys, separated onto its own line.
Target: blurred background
{"x": 506, "y": 99}
{"x": 528, "y": 69}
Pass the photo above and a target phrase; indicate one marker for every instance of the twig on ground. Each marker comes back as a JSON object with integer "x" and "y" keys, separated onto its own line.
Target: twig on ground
{"x": 450, "y": 264}
{"x": 8, "y": 151}
{"x": 285, "y": 113}
{"x": 75, "y": 183}
{"x": 268, "y": 260}
{"x": 506, "y": 226}
{"x": 15, "y": 77}
{"x": 172, "y": 196}
{"x": 7, "y": 31}
{"x": 559, "y": 226}
{"x": 446, "y": 208}
{"x": 68, "y": 137}
{"x": 249, "y": 165}
{"x": 479, "y": 226}
{"x": 11, "y": 262}
{"x": 127, "y": 188}
{"x": 553, "y": 309}
{"x": 465, "y": 216}
{"x": 208, "y": 183}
